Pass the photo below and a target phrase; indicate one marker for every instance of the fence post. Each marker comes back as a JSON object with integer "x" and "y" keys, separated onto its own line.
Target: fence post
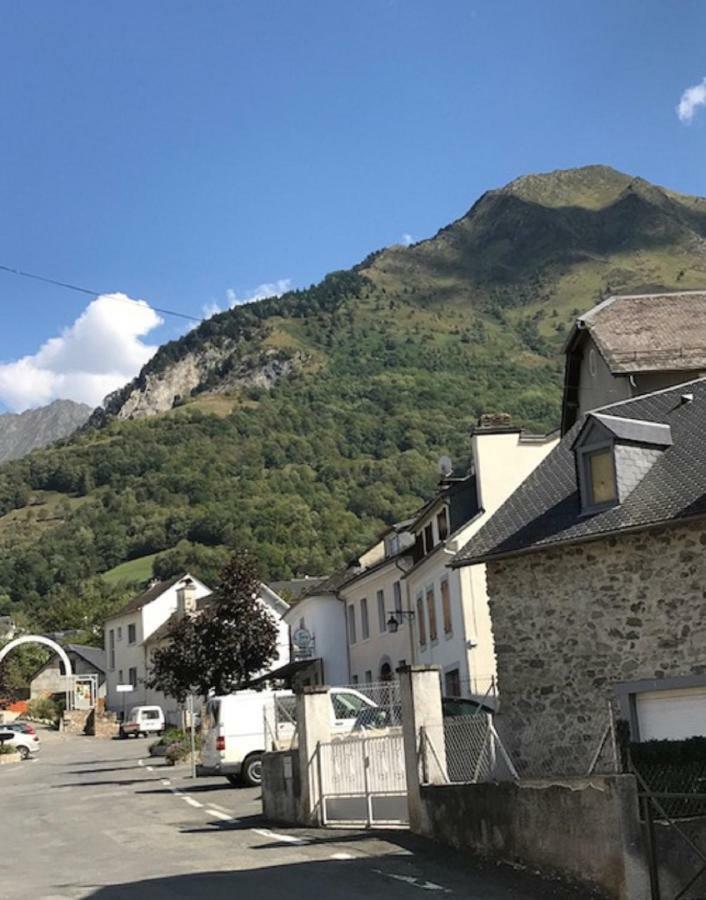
{"x": 314, "y": 726}
{"x": 420, "y": 696}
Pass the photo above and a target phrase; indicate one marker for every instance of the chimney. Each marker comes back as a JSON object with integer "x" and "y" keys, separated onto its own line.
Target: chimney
{"x": 494, "y": 420}
{"x": 186, "y": 598}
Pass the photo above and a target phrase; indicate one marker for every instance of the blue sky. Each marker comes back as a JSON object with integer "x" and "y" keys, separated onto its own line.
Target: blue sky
{"x": 178, "y": 151}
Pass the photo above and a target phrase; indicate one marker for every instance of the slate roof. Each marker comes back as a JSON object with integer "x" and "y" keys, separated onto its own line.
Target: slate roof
{"x": 545, "y": 510}
{"x": 649, "y": 332}
{"x": 148, "y": 596}
{"x": 294, "y": 588}
{"x": 94, "y": 656}
{"x": 633, "y": 430}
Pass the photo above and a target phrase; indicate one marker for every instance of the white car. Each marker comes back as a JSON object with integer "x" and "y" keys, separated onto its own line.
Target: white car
{"x": 143, "y": 720}
{"x": 25, "y": 744}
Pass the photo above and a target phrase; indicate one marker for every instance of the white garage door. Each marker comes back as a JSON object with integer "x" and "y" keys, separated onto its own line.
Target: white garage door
{"x": 671, "y": 715}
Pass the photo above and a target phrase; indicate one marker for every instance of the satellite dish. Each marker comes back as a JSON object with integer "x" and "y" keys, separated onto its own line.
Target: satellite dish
{"x": 445, "y": 466}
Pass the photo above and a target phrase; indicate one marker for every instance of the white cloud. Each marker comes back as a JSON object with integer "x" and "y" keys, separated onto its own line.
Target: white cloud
{"x": 407, "y": 240}
{"x": 100, "y": 352}
{"x": 691, "y": 100}
{"x": 261, "y": 292}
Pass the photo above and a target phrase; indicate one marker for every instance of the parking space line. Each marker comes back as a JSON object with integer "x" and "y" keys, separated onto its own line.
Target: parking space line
{"x": 273, "y": 836}
{"x": 192, "y": 802}
{"x": 217, "y": 814}
{"x": 415, "y": 882}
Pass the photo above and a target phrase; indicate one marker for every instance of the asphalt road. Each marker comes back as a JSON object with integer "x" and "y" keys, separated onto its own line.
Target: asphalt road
{"x": 97, "y": 818}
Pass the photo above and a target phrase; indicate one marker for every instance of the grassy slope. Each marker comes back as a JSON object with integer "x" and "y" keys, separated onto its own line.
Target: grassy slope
{"x": 135, "y": 571}
{"x": 394, "y": 374}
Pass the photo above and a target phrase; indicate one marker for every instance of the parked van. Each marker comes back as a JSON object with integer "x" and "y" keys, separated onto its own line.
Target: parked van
{"x": 233, "y": 730}
{"x": 143, "y": 720}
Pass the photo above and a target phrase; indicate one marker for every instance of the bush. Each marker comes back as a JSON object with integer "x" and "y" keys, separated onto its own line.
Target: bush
{"x": 6, "y": 750}
{"x": 44, "y": 709}
{"x": 174, "y": 746}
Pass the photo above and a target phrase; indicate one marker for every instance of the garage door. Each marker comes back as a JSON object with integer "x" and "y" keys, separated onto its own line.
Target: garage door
{"x": 671, "y": 715}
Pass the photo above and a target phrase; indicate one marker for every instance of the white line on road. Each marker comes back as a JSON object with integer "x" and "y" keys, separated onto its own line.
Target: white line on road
{"x": 166, "y": 781}
{"x": 417, "y": 882}
{"x": 192, "y": 802}
{"x": 222, "y": 808}
{"x": 273, "y": 836}
{"x": 140, "y": 762}
{"x": 217, "y": 814}
{"x": 342, "y": 856}
{"x": 150, "y": 769}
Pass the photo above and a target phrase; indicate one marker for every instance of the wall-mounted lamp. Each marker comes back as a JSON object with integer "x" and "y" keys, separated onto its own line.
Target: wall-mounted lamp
{"x": 393, "y": 622}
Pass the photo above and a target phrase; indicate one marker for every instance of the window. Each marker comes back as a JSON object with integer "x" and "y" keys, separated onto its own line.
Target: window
{"x": 352, "y": 636}
{"x": 347, "y": 706}
{"x": 601, "y": 476}
{"x": 368, "y": 677}
{"x": 382, "y": 620}
{"x": 355, "y": 679}
{"x": 442, "y": 525}
{"x": 428, "y": 538}
{"x": 150, "y": 714}
{"x": 452, "y": 683}
{"x": 397, "y": 596}
{"x": 111, "y": 648}
{"x": 446, "y": 607}
{"x": 132, "y": 676}
{"x": 120, "y": 677}
{"x": 120, "y": 632}
{"x": 364, "y": 621}
{"x": 401, "y": 663}
{"x": 420, "y": 621}
{"x": 131, "y": 634}
{"x": 431, "y": 609}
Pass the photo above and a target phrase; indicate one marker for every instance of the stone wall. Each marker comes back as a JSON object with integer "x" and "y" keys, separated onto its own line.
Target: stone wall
{"x": 569, "y": 623}
{"x": 583, "y": 829}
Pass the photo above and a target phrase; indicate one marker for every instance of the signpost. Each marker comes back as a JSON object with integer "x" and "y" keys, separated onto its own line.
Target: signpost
{"x": 124, "y": 689}
{"x": 192, "y": 730}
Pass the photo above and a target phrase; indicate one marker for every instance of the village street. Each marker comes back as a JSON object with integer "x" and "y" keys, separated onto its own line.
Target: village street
{"x": 94, "y": 818}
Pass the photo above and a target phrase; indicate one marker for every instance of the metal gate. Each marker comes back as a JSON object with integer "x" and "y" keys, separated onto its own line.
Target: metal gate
{"x": 363, "y": 781}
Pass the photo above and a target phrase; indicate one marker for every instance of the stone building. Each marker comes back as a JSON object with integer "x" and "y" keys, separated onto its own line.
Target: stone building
{"x": 597, "y": 582}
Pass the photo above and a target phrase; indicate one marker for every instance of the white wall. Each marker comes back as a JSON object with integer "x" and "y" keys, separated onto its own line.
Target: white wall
{"x": 367, "y": 655}
{"x": 323, "y": 616}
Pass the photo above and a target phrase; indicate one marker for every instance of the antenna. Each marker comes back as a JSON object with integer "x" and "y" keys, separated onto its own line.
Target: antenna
{"x": 445, "y": 466}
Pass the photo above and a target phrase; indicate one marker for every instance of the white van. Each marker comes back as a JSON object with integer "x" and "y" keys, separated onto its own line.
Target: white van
{"x": 143, "y": 720}
{"x": 233, "y": 730}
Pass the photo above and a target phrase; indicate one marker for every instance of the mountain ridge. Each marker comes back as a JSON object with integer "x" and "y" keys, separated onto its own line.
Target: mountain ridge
{"x": 301, "y": 426}
{"x": 20, "y": 433}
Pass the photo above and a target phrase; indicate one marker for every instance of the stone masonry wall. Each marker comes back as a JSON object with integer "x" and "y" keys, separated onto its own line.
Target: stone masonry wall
{"x": 571, "y": 622}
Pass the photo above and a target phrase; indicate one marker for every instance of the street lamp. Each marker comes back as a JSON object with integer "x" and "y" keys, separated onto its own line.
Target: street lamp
{"x": 393, "y": 623}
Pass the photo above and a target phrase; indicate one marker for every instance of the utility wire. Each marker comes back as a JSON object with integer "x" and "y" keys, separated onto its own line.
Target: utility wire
{"x": 81, "y": 290}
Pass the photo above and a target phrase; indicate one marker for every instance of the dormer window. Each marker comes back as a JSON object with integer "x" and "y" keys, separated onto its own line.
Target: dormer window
{"x": 613, "y": 455}
{"x": 601, "y": 476}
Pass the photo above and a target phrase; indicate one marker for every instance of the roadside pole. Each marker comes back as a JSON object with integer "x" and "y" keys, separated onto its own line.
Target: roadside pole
{"x": 192, "y": 730}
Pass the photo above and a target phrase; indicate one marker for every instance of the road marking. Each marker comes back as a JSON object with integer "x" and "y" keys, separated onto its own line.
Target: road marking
{"x": 417, "y": 882}
{"x": 222, "y": 808}
{"x": 176, "y": 792}
{"x": 342, "y": 856}
{"x": 273, "y": 836}
{"x": 150, "y": 769}
{"x": 140, "y": 762}
{"x": 192, "y": 802}
{"x": 217, "y": 814}
{"x": 166, "y": 781}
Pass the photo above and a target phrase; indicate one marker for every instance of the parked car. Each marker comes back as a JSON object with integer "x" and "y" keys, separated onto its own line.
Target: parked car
{"x": 377, "y": 718}
{"x": 22, "y": 727}
{"x": 143, "y": 720}
{"x": 25, "y": 744}
{"x": 233, "y": 730}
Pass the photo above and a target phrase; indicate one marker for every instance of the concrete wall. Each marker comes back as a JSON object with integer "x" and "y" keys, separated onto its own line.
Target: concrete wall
{"x": 570, "y": 623}
{"x": 281, "y": 787}
{"x": 582, "y": 829}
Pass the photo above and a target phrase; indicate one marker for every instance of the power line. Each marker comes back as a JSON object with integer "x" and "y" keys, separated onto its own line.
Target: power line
{"x": 81, "y": 290}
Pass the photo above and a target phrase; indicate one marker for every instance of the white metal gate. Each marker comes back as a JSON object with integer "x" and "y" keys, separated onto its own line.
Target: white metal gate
{"x": 363, "y": 781}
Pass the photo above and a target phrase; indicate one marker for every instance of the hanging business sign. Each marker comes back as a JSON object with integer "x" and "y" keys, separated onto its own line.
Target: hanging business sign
{"x": 124, "y": 688}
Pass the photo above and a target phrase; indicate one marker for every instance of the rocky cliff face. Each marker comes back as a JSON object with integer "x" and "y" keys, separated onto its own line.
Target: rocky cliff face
{"x": 21, "y": 433}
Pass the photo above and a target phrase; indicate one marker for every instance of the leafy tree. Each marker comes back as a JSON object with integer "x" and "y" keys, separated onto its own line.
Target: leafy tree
{"x": 234, "y": 638}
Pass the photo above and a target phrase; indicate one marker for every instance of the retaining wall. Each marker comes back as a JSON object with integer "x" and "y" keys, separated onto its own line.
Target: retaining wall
{"x": 584, "y": 829}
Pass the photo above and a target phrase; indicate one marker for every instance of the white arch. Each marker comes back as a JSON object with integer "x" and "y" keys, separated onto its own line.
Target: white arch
{"x": 39, "y": 639}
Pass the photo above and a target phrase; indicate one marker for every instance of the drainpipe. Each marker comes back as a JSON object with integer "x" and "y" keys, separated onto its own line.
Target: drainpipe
{"x": 410, "y": 618}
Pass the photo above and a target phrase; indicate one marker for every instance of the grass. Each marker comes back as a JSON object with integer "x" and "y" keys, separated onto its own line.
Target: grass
{"x": 135, "y": 571}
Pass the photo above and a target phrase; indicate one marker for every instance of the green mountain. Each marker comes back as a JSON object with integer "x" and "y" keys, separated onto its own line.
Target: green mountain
{"x": 299, "y": 426}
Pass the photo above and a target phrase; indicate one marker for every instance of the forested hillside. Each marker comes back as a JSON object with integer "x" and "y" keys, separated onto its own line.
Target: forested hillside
{"x": 300, "y": 426}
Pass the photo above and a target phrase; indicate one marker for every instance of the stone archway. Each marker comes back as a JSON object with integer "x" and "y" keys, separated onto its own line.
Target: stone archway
{"x": 47, "y": 642}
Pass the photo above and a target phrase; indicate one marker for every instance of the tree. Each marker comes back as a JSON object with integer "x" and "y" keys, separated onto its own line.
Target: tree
{"x": 234, "y": 638}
